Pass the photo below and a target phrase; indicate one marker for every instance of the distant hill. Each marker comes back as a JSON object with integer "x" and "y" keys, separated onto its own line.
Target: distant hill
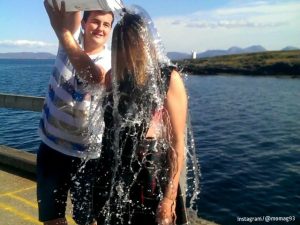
{"x": 290, "y": 48}
{"x": 262, "y": 63}
{"x": 212, "y": 53}
{"x": 231, "y": 51}
{"x": 27, "y": 55}
{"x": 178, "y": 55}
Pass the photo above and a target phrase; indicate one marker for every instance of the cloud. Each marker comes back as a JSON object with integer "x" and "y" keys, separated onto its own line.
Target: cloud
{"x": 273, "y": 24}
{"x": 256, "y": 14}
{"x": 231, "y": 24}
{"x": 25, "y": 43}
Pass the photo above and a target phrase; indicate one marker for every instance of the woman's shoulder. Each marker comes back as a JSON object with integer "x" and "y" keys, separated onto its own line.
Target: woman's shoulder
{"x": 176, "y": 82}
{"x": 171, "y": 76}
{"x": 167, "y": 70}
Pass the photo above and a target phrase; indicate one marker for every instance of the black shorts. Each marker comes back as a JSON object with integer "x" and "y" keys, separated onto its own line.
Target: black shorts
{"x": 58, "y": 173}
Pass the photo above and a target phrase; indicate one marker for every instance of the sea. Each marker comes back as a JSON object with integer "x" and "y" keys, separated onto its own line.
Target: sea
{"x": 247, "y": 134}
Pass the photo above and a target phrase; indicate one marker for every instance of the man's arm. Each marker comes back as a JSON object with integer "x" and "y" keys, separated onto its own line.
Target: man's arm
{"x": 84, "y": 66}
{"x": 63, "y": 25}
{"x": 73, "y": 21}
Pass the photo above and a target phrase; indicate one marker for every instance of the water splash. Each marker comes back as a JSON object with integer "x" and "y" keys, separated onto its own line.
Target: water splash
{"x": 137, "y": 163}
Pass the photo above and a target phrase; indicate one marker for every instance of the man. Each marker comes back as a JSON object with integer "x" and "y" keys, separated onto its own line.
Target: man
{"x": 81, "y": 64}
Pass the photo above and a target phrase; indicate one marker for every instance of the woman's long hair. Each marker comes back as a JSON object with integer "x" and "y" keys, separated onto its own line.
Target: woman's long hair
{"x": 131, "y": 50}
{"x": 135, "y": 58}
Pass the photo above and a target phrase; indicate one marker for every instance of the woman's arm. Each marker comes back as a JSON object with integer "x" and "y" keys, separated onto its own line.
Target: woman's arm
{"x": 176, "y": 106}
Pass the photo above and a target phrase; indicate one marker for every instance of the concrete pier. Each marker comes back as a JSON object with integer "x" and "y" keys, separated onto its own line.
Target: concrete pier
{"x": 18, "y": 204}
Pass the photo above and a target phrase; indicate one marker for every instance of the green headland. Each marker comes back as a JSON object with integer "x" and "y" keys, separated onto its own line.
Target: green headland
{"x": 284, "y": 63}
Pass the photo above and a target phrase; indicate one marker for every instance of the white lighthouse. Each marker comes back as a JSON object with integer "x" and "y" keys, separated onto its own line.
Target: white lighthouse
{"x": 194, "y": 54}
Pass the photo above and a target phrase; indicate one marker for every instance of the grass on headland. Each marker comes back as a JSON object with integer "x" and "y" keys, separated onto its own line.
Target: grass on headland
{"x": 264, "y": 63}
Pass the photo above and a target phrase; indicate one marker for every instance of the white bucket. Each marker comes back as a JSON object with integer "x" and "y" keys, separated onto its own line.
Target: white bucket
{"x": 87, "y": 5}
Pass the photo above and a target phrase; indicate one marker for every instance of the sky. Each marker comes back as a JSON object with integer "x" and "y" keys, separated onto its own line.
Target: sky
{"x": 184, "y": 25}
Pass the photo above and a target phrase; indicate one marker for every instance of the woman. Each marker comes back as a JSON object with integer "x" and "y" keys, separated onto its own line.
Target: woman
{"x": 145, "y": 129}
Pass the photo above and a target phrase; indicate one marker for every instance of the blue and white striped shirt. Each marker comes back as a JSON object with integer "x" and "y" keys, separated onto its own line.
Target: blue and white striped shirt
{"x": 68, "y": 107}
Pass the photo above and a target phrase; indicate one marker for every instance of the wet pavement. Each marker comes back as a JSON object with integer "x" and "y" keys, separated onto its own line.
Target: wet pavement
{"x": 18, "y": 203}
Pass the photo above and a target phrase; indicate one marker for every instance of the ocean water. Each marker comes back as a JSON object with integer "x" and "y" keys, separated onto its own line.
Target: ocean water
{"x": 247, "y": 133}
{"x": 23, "y": 77}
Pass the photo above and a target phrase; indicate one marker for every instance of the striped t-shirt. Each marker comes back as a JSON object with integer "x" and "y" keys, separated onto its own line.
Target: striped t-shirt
{"x": 70, "y": 107}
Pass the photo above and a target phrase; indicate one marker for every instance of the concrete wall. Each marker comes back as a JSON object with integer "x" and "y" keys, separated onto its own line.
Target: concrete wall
{"x": 29, "y": 103}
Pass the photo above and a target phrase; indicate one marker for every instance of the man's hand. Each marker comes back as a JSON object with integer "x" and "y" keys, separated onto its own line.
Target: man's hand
{"x": 61, "y": 20}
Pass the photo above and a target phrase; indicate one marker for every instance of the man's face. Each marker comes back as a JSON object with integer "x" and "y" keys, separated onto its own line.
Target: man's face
{"x": 97, "y": 28}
